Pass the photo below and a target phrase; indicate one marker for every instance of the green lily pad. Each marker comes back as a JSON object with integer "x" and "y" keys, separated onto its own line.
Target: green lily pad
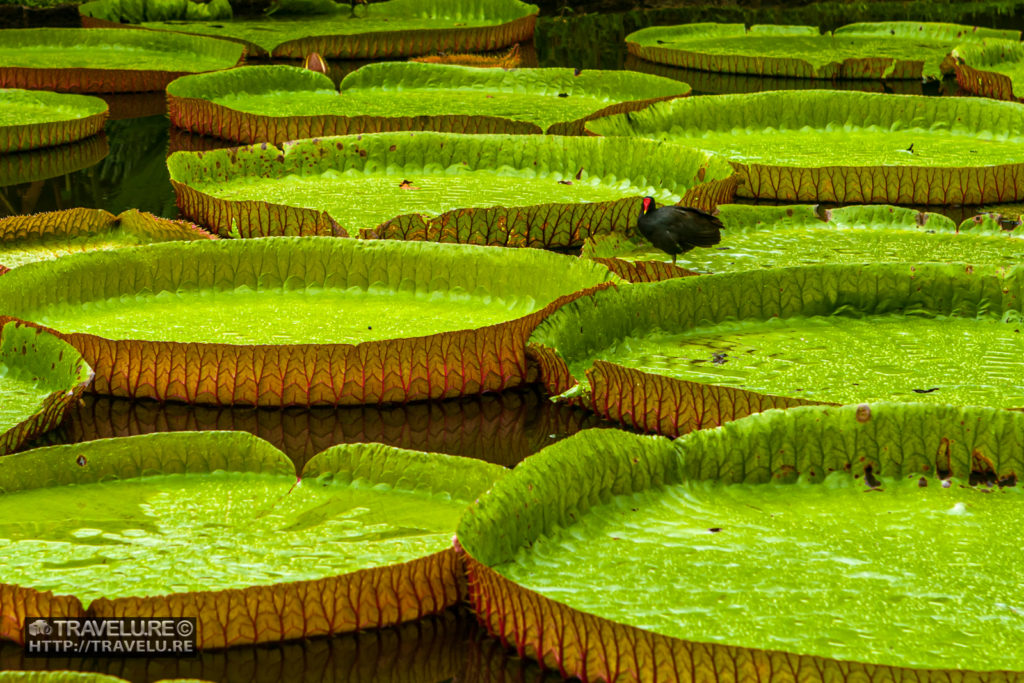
{"x": 40, "y": 377}
{"x": 299, "y": 320}
{"x": 30, "y": 119}
{"x": 695, "y": 352}
{"x": 485, "y": 189}
{"x": 280, "y": 103}
{"x": 994, "y": 68}
{"x": 189, "y": 523}
{"x": 819, "y": 537}
{"x": 821, "y": 145}
{"x": 47, "y": 236}
{"x": 106, "y": 60}
{"x": 896, "y": 49}
{"x": 50, "y": 162}
{"x": 757, "y": 237}
{"x": 716, "y": 83}
{"x": 397, "y": 28}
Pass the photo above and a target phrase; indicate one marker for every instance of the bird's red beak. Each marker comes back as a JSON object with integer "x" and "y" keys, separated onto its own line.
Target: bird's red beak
{"x": 647, "y": 204}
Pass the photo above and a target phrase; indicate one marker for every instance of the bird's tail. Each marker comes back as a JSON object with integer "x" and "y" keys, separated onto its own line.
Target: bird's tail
{"x": 705, "y": 229}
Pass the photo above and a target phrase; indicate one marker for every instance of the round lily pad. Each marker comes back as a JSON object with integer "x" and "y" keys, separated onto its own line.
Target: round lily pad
{"x": 299, "y": 321}
{"x": 994, "y": 68}
{"x": 757, "y": 237}
{"x": 30, "y": 118}
{"x": 47, "y": 236}
{"x": 280, "y": 103}
{"x": 397, "y": 28}
{"x": 890, "y": 50}
{"x": 695, "y": 352}
{"x": 214, "y": 525}
{"x": 107, "y": 60}
{"x": 40, "y": 377}
{"x": 829, "y": 543}
{"x": 821, "y": 145}
{"x": 508, "y": 190}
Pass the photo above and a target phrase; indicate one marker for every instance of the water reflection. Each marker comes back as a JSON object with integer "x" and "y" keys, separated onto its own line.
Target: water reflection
{"x": 487, "y": 661}
{"x": 135, "y": 105}
{"x": 427, "y": 651}
{"x": 24, "y": 175}
{"x": 445, "y": 647}
{"x": 501, "y": 428}
{"x": 123, "y": 169}
{"x": 181, "y": 140}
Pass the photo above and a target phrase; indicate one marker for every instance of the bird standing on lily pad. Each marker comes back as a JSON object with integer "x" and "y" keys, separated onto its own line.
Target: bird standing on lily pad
{"x": 678, "y": 229}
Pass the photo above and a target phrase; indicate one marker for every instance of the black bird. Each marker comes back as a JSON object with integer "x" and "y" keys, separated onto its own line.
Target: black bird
{"x": 678, "y": 229}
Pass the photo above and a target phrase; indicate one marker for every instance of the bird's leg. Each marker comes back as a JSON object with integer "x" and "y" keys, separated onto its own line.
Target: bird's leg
{"x": 673, "y": 259}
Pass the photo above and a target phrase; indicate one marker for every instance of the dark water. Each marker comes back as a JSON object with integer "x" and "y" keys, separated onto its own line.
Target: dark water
{"x": 500, "y": 428}
{"x": 445, "y": 647}
{"x": 125, "y": 168}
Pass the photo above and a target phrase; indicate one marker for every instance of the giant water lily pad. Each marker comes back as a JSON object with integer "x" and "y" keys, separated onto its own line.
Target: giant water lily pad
{"x": 47, "y": 236}
{"x": 818, "y": 542}
{"x": 821, "y": 145}
{"x": 695, "y": 352}
{"x": 299, "y": 321}
{"x": 107, "y": 60}
{"x": 758, "y": 237}
{"x": 40, "y": 377}
{"x": 213, "y": 525}
{"x": 397, "y": 28}
{"x": 994, "y": 68}
{"x": 507, "y": 190}
{"x": 892, "y": 50}
{"x": 279, "y": 103}
{"x": 30, "y": 119}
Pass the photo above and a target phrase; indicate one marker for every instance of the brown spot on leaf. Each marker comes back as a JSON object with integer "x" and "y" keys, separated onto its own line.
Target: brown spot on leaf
{"x": 863, "y": 412}
{"x": 982, "y": 469}
{"x": 786, "y": 474}
{"x": 943, "y": 459}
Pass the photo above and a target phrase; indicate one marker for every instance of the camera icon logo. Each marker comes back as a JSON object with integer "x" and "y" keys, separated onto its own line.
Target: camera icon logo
{"x": 40, "y": 627}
